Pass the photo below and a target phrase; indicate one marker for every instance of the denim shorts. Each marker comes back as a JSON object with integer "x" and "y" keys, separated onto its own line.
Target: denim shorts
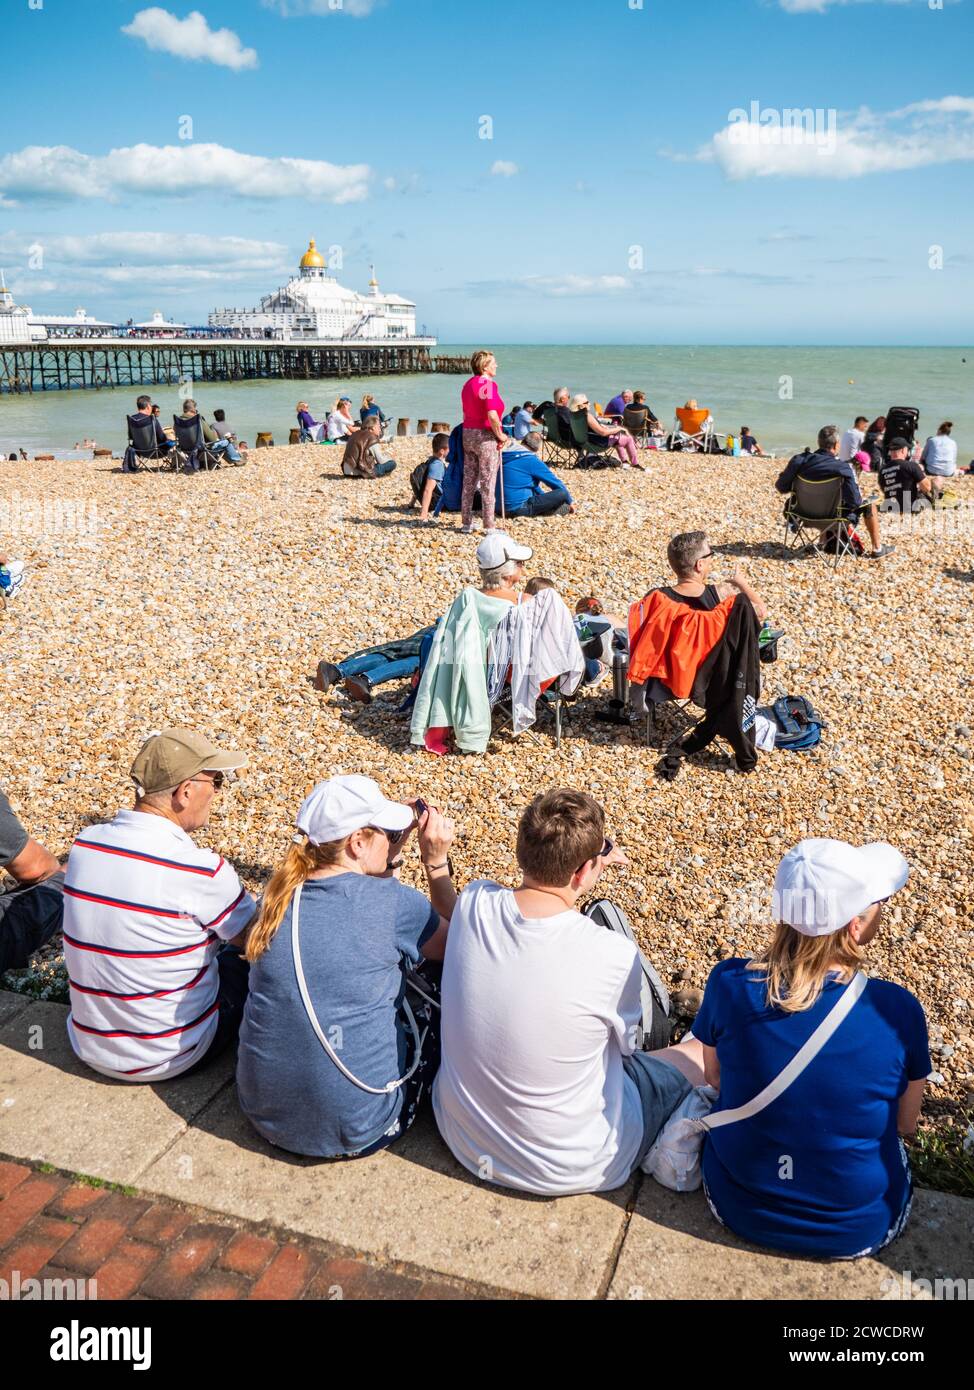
{"x": 661, "y": 1089}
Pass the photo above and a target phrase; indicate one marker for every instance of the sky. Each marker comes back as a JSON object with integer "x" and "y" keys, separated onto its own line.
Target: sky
{"x": 556, "y": 171}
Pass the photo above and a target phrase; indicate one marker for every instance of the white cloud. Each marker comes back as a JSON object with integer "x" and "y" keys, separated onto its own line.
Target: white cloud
{"x": 87, "y": 263}
{"x": 820, "y": 6}
{"x": 554, "y": 286}
{"x": 505, "y": 168}
{"x": 191, "y": 37}
{"x": 358, "y": 9}
{"x": 59, "y": 171}
{"x": 138, "y": 249}
{"x": 829, "y": 145}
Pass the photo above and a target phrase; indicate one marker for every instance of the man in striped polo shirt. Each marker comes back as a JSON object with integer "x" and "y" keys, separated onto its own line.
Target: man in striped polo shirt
{"x": 146, "y": 912}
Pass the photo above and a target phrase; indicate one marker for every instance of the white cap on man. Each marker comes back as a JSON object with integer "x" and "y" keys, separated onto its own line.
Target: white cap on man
{"x": 822, "y": 884}
{"x": 496, "y": 549}
{"x": 342, "y": 804}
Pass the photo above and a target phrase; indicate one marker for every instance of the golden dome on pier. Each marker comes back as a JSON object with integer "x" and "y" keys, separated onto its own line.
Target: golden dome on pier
{"x": 312, "y": 258}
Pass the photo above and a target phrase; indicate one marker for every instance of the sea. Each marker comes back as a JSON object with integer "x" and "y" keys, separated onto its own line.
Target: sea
{"x": 783, "y": 394}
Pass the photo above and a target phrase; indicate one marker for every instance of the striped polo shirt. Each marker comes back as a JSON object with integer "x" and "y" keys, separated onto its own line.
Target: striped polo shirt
{"x": 145, "y": 911}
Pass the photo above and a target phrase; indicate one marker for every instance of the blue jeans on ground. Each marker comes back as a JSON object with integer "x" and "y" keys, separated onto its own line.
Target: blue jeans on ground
{"x": 378, "y": 668}
{"x": 387, "y": 466}
{"x": 227, "y": 447}
{"x": 543, "y": 503}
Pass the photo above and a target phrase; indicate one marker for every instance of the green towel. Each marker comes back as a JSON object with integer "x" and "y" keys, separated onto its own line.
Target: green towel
{"x": 453, "y": 691}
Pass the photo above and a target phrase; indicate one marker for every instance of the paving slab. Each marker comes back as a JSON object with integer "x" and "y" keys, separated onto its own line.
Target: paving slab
{"x": 413, "y": 1203}
{"x": 675, "y": 1249}
{"x": 53, "y": 1109}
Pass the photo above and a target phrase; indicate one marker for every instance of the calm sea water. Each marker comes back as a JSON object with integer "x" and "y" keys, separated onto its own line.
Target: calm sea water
{"x": 783, "y": 393}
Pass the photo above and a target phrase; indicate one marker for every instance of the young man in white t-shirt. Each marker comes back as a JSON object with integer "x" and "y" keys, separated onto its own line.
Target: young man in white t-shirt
{"x": 541, "y": 1086}
{"x": 852, "y": 439}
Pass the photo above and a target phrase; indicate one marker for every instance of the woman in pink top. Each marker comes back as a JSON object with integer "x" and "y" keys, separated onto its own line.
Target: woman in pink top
{"x": 483, "y": 438}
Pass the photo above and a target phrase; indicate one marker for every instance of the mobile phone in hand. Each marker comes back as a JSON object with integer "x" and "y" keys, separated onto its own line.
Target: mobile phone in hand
{"x": 420, "y": 807}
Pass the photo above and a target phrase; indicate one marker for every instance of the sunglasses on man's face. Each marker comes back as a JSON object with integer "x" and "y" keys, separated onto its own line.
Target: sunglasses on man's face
{"x": 604, "y": 852}
{"x": 216, "y": 781}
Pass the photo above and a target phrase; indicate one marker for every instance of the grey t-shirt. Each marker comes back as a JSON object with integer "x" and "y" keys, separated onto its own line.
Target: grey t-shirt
{"x": 13, "y": 836}
{"x": 355, "y": 931}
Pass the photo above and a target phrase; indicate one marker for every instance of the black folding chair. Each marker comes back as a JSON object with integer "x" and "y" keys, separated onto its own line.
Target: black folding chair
{"x": 190, "y": 442}
{"x": 814, "y": 513}
{"x": 146, "y": 452}
{"x": 557, "y": 451}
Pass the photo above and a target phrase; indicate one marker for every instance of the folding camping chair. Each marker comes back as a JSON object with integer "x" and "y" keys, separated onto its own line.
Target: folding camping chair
{"x": 693, "y": 431}
{"x": 550, "y": 700}
{"x": 557, "y": 451}
{"x": 583, "y": 441}
{"x": 148, "y": 455}
{"x": 814, "y": 512}
{"x": 635, "y": 418}
{"x": 190, "y": 442}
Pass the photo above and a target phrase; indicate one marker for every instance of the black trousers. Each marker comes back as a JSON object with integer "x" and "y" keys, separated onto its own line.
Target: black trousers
{"x": 29, "y": 917}
{"x": 725, "y": 721}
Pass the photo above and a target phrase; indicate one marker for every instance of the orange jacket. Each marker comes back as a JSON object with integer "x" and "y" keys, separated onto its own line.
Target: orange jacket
{"x": 671, "y": 641}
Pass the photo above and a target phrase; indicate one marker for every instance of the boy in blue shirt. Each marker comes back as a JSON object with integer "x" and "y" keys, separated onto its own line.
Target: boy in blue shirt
{"x": 530, "y": 487}
{"x": 435, "y": 470}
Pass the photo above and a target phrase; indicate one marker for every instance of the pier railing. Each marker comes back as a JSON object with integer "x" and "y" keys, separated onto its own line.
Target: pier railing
{"x": 85, "y": 364}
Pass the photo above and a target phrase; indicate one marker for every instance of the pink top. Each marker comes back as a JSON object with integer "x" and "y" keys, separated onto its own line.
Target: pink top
{"x": 479, "y": 395}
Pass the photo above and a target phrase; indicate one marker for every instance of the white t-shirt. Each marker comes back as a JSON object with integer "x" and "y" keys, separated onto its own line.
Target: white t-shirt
{"x": 851, "y": 443}
{"x": 145, "y": 912}
{"x": 537, "y": 1016}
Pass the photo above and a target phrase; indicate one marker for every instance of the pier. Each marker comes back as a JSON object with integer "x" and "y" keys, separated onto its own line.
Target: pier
{"x": 89, "y": 364}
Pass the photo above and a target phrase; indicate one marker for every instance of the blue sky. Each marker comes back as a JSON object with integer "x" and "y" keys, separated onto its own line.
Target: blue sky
{"x": 637, "y": 186}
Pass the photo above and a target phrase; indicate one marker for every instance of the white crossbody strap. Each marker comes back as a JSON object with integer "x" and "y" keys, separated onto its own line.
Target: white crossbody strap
{"x": 313, "y": 1017}
{"x": 806, "y": 1054}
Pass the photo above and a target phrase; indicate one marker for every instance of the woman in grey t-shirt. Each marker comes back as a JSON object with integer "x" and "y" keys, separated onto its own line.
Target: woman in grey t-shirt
{"x": 336, "y": 1049}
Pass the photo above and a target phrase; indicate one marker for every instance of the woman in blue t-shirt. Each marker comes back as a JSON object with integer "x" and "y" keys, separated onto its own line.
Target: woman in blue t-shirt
{"x": 822, "y": 1169}
{"x": 326, "y": 1035}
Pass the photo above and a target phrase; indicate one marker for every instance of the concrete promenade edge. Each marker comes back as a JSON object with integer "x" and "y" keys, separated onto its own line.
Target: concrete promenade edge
{"x": 413, "y": 1205}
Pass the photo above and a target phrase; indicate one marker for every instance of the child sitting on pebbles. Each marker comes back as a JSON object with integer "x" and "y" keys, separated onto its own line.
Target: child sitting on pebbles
{"x": 11, "y": 576}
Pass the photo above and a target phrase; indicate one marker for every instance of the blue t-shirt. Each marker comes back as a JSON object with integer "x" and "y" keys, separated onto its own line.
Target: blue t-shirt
{"x": 435, "y": 469}
{"x": 354, "y": 931}
{"x": 522, "y": 423}
{"x": 821, "y": 1170}
{"x": 524, "y": 474}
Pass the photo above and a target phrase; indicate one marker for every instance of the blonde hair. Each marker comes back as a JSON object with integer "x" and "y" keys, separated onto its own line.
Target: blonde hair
{"x": 300, "y": 862}
{"x": 367, "y": 401}
{"x": 797, "y": 966}
{"x": 479, "y": 361}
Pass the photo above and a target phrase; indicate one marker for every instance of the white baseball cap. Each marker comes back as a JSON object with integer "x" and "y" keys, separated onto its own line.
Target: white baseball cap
{"x": 494, "y": 551}
{"x": 822, "y": 884}
{"x": 342, "y": 804}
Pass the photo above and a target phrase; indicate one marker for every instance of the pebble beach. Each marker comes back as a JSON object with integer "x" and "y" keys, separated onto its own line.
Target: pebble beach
{"x": 208, "y": 600}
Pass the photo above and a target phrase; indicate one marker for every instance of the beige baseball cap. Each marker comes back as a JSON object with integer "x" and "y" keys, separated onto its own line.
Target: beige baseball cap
{"x": 172, "y": 756}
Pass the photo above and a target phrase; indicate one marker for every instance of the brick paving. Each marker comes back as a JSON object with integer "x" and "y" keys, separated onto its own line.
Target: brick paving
{"x": 53, "y": 1226}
